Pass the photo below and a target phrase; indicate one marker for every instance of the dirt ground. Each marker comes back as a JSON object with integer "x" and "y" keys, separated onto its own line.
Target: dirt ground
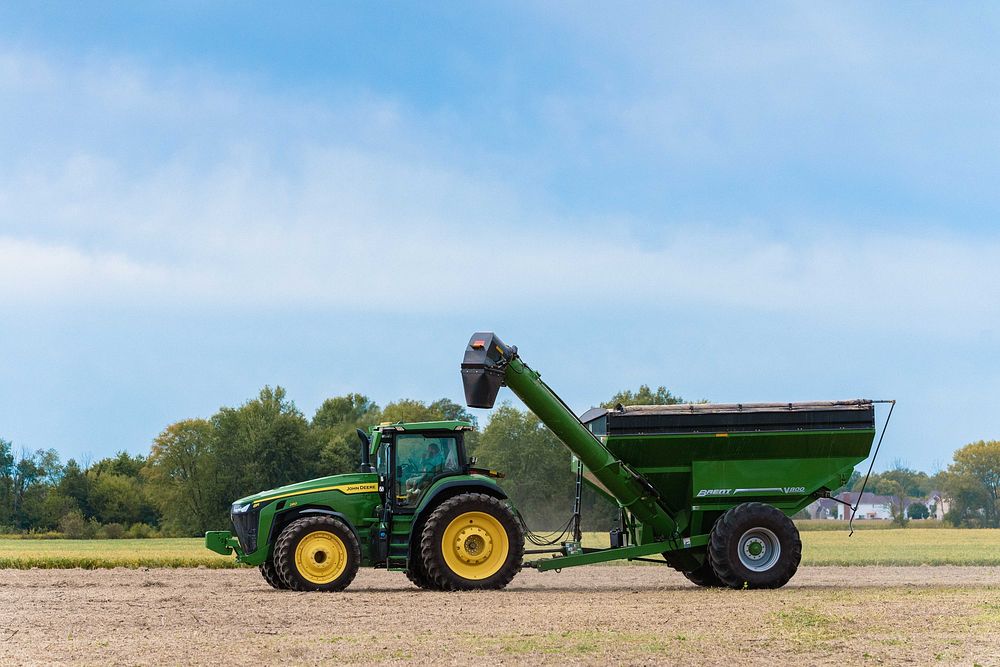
{"x": 600, "y": 614}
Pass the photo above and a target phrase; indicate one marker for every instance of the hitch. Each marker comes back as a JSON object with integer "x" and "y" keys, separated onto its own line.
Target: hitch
{"x": 222, "y": 542}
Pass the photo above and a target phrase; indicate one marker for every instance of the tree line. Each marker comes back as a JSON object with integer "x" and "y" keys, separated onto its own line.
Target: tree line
{"x": 196, "y": 467}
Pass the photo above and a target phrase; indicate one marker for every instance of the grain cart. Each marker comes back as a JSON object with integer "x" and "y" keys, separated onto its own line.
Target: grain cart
{"x": 709, "y": 488}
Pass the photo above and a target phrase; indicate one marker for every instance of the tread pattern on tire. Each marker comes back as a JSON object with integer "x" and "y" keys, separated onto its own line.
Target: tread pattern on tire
{"x": 704, "y": 576}
{"x": 284, "y": 553}
{"x": 420, "y": 579}
{"x": 439, "y": 574}
{"x": 730, "y": 528}
{"x": 270, "y": 573}
{"x": 415, "y": 571}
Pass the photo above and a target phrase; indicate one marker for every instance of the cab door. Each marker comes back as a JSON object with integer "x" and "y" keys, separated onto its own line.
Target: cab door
{"x": 420, "y": 459}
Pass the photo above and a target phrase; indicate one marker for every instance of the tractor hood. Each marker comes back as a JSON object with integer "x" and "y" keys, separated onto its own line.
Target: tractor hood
{"x": 350, "y": 483}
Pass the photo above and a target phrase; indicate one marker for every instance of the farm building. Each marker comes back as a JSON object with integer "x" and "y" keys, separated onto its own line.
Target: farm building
{"x": 873, "y": 506}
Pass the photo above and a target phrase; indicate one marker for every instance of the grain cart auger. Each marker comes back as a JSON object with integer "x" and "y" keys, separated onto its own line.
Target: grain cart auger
{"x": 710, "y": 487}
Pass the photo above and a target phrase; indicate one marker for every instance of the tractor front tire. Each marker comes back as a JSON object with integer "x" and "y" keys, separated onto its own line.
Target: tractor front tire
{"x": 471, "y": 542}
{"x": 317, "y": 553}
{"x": 754, "y": 545}
{"x": 270, "y": 574}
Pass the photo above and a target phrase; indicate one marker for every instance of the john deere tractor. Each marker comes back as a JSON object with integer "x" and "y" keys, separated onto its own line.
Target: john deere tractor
{"x": 707, "y": 489}
{"x": 424, "y": 508}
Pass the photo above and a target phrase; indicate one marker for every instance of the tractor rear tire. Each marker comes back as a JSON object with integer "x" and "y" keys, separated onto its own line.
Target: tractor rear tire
{"x": 415, "y": 570}
{"x": 471, "y": 542}
{"x": 754, "y": 545}
{"x": 270, "y": 574}
{"x": 419, "y": 578}
{"x": 317, "y": 553}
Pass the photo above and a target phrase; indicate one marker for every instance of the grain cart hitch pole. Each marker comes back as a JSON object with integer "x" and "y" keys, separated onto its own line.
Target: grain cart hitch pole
{"x": 711, "y": 487}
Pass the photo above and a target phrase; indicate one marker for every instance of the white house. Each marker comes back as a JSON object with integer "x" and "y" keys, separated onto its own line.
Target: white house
{"x": 872, "y": 506}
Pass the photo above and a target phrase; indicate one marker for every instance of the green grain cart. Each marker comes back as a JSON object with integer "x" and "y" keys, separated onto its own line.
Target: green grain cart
{"x": 707, "y": 487}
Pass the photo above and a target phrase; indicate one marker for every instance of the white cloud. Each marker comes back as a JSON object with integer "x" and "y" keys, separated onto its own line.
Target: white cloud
{"x": 359, "y": 218}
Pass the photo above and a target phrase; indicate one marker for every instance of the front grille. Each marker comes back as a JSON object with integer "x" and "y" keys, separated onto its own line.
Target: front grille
{"x": 245, "y": 524}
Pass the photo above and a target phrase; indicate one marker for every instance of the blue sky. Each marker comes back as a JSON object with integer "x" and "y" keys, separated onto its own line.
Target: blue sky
{"x": 744, "y": 203}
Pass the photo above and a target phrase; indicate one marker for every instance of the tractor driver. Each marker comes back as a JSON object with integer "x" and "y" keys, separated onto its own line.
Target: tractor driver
{"x": 429, "y": 465}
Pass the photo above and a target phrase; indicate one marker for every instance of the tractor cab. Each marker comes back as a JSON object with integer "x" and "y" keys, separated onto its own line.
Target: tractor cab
{"x": 410, "y": 458}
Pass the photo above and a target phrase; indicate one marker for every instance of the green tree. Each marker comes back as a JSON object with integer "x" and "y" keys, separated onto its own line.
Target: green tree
{"x": 645, "y": 396}
{"x": 183, "y": 476}
{"x": 917, "y": 511}
{"x": 915, "y": 484}
{"x": 538, "y": 478}
{"x": 972, "y": 484}
{"x": 75, "y": 486}
{"x": 6, "y": 483}
{"x": 263, "y": 444}
{"x": 122, "y": 463}
{"x": 120, "y": 499}
{"x": 334, "y": 429}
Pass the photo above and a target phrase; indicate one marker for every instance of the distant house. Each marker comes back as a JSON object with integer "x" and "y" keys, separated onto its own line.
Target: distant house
{"x": 824, "y": 508}
{"x": 938, "y": 504}
{"x": 873, "y": 506}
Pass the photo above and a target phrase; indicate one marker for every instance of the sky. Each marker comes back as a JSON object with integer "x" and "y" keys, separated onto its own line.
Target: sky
{"x": 766, "y": 202}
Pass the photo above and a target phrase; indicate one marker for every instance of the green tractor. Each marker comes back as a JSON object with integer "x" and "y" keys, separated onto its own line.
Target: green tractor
{"x": 707, "y": 488}
{"x": 423, "y": 508}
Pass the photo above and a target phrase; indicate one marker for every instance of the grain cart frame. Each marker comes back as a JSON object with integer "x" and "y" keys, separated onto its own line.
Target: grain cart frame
{"x": 709, "y": 487}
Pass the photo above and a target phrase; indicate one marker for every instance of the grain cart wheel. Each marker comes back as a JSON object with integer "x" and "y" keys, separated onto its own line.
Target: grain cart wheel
{"x": 704, "y": 576}
{"x": 754, "y": 545}
{"x": 270, "y": 573}
{"x": 318, "y": 553}
{"x": 700, "y": 574}
{"x": 471, "y": 541}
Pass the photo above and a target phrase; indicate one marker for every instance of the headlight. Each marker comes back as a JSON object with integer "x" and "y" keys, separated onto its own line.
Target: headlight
{"x": 241, "y": 510}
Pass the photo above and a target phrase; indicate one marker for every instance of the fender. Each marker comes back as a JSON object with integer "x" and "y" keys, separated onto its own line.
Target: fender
{"x": 447, "y": 489}
{"x": 283, "y": 517}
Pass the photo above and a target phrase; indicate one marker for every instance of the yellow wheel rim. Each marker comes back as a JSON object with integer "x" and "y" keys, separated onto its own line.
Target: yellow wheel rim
{"x": 320, "y": 557}
{"x": 475, "y": 545}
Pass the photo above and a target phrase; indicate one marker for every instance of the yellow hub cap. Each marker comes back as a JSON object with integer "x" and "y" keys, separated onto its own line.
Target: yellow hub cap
{"x": 320, "y": 557}
{"x": 475, "y": 545}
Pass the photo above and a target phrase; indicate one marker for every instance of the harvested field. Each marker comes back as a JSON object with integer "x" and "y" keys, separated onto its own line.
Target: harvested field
{"x": 627, "y": 614}
{"x": 912, "y": 546}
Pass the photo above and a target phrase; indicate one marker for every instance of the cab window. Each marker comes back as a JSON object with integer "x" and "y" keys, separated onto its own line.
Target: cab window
{"x": 419, "y": 460}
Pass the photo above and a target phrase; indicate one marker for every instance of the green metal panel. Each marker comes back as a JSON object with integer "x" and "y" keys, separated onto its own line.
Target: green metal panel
{"x": 355, "y": 496}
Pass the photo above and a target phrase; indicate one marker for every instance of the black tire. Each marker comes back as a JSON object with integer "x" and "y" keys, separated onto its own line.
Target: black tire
{"x": 498, "y": 568}
{"x": 687, "y": 564}
{"x": 418, "y": 577}
{"x": 287, "y": 546}
{"x": 415, "y": 571}
{"x": 270, "y": 574}
{"x": 754, "y": 545}
{"x": 704, "y": 576}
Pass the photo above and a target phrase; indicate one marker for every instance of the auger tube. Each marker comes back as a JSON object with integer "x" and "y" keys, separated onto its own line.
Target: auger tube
{"x": 489, "y": 364}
